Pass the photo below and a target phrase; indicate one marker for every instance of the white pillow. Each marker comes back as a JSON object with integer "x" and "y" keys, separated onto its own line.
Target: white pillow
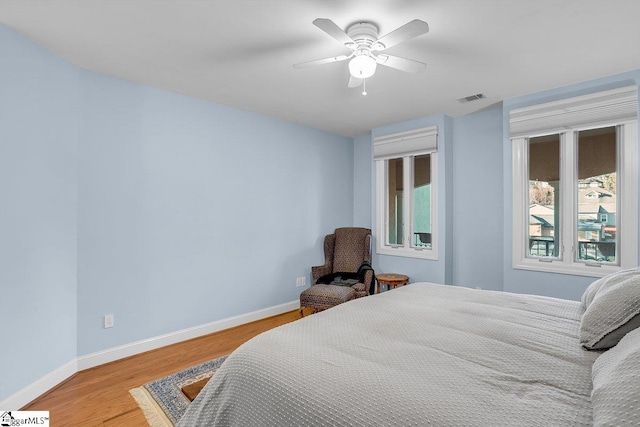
{"x": 616, "y": 384}
{"x": 612, "y": 309}
{"x": 592, "y": 290}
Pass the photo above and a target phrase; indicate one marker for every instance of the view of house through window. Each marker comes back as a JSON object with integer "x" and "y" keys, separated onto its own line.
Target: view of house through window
{"x": 544, "y": 196}
{"x": 596, "y": 188}
{"x": 574, "y": 164}
{"x": 595, "y": 191}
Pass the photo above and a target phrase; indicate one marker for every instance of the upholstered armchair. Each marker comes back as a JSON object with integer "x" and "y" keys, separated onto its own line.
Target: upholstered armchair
{"x": 344, "y": 252}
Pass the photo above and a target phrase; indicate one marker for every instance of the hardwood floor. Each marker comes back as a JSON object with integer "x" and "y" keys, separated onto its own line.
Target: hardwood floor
{"x": 100, "y": 396}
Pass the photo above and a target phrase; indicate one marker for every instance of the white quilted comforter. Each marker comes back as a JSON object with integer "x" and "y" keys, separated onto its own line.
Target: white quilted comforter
{"x": 422, "y": 354}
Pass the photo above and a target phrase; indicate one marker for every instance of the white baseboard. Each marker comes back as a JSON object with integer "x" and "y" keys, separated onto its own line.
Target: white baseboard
{"x": 52, "y": 379}
{"x": 39, "y": 387}
{"x": 116, "y": 353}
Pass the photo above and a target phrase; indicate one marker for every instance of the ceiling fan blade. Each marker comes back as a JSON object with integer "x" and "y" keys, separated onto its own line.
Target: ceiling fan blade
{"x": 321, "y": 61}
{"x": 330, "y": 27}
{"x": 402, "y": 64}
{"x": 354, "y": 81}
{"x": 408, "y": 31}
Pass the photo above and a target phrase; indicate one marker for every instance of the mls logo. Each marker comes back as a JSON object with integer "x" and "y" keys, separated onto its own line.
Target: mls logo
{"x": 5, "y": 420}
{"x": 24, "y": 418}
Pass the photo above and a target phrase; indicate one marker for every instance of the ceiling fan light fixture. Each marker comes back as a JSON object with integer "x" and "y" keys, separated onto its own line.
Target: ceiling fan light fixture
{"x": 362, "y": 66}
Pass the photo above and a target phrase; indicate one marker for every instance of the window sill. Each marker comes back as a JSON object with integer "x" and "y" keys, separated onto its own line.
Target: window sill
{"x": 558, "y": 267}
{"x": 407, "y": 252}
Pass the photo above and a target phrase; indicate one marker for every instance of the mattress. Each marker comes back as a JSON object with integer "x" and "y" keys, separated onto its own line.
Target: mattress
{"x": 422, "y": 354}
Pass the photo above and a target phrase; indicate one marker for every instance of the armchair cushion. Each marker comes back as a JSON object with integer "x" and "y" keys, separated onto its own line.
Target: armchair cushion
{"x": 360, "y": 289}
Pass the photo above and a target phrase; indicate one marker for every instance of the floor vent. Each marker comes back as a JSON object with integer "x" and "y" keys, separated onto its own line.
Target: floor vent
{"x": 472, "y": 98}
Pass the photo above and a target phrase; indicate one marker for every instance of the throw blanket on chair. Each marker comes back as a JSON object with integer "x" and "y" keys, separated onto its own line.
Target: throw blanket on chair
{"x": 348, "y": 279}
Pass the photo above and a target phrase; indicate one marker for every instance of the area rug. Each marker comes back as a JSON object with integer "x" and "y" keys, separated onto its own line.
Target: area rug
{"x": 165, "y": 400}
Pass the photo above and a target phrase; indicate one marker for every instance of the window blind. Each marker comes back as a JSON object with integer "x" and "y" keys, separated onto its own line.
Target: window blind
{"x": 414, "y": 142}
{"x": 602, "y": 108}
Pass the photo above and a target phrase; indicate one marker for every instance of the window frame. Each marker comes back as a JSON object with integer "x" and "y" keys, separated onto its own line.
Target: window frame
{"x": 627, "y": 219}
{"x": 407, "y": 249}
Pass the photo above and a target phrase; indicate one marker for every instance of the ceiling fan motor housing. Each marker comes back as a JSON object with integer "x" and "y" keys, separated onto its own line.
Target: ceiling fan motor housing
{"x": 363, "y": 33}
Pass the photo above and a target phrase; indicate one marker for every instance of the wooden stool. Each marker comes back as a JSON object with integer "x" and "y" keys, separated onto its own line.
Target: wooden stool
{"x": 391, "y": 279}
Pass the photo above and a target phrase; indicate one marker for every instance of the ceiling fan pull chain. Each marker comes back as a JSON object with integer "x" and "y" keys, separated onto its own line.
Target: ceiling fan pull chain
{"x": 364, "y": 87}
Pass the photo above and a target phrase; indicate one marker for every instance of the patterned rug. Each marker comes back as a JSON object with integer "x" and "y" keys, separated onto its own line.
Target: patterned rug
{"x": 165, "y": 400}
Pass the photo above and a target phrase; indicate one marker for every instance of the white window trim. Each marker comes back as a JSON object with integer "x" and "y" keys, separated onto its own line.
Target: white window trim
{"x": 566, "y": 263}
{"x": 406, "y": 250}
{"x": 581, "y": 112}
{"x": 409, "y": 143}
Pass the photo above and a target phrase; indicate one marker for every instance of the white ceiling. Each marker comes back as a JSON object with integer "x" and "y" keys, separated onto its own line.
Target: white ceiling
{"x": 240, "y": 52}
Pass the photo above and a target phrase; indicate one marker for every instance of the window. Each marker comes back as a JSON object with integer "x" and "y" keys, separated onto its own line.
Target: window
{"x": 575, "y": 191}
{"x": 406, "y": 193}
{"x": 544, "y": 195}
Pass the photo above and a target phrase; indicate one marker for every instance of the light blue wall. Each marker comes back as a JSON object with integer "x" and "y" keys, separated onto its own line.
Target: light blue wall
{"x": 477, "y": 200}
{"x": 363, "y": 176}
{"x": 169, "y": 212}
{"x": 440, "y": 270}
{"x": 191, "y": 212}
{"x": 38, "y": 139}
{"x": 520, "y": 281}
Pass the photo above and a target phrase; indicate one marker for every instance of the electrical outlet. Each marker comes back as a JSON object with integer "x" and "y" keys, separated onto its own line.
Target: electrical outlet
{"x": 301, "y": 281}
{"x": 109, "y": 321}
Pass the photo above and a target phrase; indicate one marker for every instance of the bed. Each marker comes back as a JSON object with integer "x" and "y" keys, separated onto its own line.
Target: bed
{"x": 423, "y": 354}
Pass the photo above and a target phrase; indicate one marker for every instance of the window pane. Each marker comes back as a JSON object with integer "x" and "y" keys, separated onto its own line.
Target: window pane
{"x": 394, "y": 201}
{"x": 544, "y": 196}
{"x": 597, "y": 203}
{"x": 422, "y": 201}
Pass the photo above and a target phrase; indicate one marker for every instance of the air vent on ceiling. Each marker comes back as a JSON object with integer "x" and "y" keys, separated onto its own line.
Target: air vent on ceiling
{"x": 472, "y": 98}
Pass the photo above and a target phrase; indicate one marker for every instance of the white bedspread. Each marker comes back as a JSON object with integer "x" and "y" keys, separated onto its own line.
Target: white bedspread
{"x": 422, "y": 354}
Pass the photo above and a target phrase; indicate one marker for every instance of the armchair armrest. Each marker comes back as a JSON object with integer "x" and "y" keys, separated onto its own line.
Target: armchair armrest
{"x": 319, "y": 271}
{"x": 364, "y": 289}
{"x": 369, "y": 281}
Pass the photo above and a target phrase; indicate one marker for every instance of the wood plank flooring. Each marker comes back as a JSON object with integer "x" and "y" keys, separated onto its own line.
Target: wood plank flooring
{"x": 100, "y": 396}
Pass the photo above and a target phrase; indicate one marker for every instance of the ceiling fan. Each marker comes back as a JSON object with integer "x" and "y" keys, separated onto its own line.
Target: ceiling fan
{"x": 362, "y": 39}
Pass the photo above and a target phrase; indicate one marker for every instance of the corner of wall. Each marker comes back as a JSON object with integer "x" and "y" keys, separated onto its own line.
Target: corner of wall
{"x": 362, "y": 176}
